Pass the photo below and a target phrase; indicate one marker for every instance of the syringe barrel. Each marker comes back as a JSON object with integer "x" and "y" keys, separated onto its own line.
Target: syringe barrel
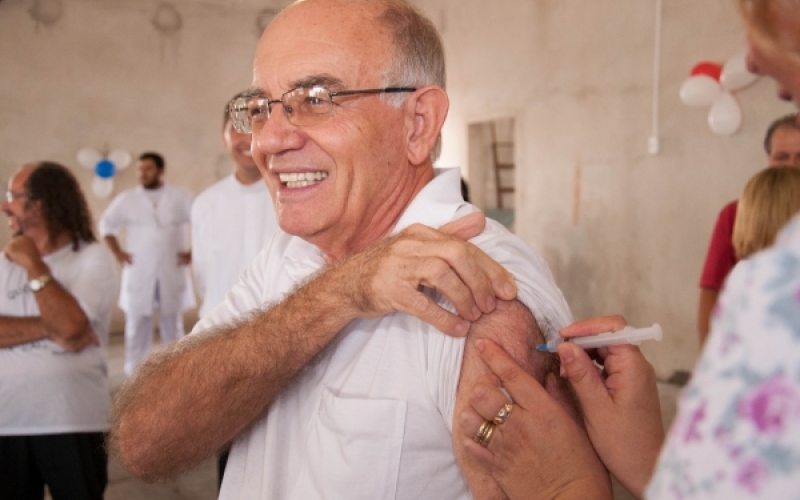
{"x": 628, "y": 335}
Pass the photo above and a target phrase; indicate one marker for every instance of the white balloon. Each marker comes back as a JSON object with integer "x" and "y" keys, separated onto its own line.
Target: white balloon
{"x": 735, "y": 75}
{"x": 102, "y": 187}
{"x": 699, "y": 90}
{"x": 120, "y": 158}
{"x": 725, "y": 116}
{"x": 88, "y": 157}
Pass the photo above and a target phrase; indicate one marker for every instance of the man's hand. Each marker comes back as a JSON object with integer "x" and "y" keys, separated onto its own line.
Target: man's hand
{"x": 76, "y": 343}
{"x": 123, "y": 257}
{"x": 540, "y": 450}
{"x": 184, "y": 258}
{"x": 621, "y": 406}
{"x": 390, "y": 275}
{"x": 22, "y": 251}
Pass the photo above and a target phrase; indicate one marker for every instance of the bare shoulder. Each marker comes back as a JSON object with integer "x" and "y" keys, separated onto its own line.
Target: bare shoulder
{"x": 514, "y": 327}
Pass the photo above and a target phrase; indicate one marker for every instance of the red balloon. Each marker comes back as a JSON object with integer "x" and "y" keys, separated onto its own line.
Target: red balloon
{"x": 707, "y": 68}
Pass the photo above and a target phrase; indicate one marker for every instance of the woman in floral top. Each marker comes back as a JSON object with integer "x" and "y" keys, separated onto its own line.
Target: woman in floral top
{"x": 737, "y": 433}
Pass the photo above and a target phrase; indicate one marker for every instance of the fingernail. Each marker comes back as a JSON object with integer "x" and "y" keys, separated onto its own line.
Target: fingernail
{"x": 476, "y": 313}
{"x": 480, "y": 345}
{"x": 566, "y": 355}
{"x": 510, "y": 290}
{"x": 490, "y": 304}
{"x": 461, "y": 329}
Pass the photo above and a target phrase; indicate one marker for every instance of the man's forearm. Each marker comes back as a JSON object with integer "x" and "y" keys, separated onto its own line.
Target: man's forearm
{"x": 60, "y": 312}
{"x": 190, "y": 400}
{"x": 15, "y": 331}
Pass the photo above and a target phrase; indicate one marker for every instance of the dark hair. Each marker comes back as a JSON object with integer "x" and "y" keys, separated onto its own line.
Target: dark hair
{"x": 788, "y": 122}
{"x": 154, "y": 157}
{"x": 64, "y": 207}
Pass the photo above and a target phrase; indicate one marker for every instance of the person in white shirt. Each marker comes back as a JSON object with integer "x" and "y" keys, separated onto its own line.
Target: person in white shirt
{"x": 231, "y": 221}
{"x": 156, "y": 216}
{"x": 57, "y": 287}
{"x": 338, "y": 361}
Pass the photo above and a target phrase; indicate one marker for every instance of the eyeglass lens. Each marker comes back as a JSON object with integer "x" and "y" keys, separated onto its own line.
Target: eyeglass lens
{"x": 303, "y": 106}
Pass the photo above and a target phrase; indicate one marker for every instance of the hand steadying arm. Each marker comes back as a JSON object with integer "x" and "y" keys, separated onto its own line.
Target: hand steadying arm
{"x": 513, "y": 327}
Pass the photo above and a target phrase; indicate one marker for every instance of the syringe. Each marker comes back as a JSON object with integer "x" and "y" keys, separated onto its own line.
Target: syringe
{"x": 628, "y": 335}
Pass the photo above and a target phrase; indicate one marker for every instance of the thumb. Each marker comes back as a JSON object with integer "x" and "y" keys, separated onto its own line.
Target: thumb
{"x": 578, "y": 368}
{"x": 466, "y": 227}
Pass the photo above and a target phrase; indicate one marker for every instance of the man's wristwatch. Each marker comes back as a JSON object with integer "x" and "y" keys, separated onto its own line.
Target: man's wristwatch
{"x": 37, "y": 284}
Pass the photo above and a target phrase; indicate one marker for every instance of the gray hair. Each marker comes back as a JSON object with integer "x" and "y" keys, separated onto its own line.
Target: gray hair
{"x": 418, "y": 54}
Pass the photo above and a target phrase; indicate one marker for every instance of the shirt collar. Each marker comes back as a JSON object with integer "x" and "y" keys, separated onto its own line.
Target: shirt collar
{"x": 437, "y": 203}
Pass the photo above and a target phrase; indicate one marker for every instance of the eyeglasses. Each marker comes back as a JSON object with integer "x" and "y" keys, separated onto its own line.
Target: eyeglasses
{"x": 11, "y": 196}
{"x": 303, "y": 106}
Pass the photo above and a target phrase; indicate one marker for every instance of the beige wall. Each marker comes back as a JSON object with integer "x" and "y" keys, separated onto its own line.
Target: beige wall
{"x": 623, "y": 231}
{"x": 103, "y": 76}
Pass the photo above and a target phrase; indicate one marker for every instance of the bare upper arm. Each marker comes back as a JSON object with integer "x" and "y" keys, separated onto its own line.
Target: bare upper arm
{"x": 514, "y": 328}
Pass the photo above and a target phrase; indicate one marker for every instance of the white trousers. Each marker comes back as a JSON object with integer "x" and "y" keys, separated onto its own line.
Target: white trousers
{"x": 139, "y": 335}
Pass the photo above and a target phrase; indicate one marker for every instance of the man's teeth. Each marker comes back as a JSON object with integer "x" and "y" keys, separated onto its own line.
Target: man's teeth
{"x": 302, "y": 179}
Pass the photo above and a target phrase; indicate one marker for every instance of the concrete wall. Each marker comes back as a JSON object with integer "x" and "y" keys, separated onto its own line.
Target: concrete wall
{"x": 623, "y": 231}
{"x": 103, "y": 76}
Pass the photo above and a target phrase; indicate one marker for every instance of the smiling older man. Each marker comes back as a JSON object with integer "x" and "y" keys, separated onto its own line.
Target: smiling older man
{"x": 328, "y": 365}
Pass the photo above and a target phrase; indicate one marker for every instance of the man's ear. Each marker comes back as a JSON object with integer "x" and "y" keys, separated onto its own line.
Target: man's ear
{"x": 426, "y": 110}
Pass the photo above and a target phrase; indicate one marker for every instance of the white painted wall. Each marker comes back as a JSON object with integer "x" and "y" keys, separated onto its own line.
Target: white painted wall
{"x": 624, "y": 232}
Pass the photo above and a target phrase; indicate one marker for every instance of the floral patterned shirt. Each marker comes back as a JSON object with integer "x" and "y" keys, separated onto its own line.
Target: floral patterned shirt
{"x": 737, "y": 432}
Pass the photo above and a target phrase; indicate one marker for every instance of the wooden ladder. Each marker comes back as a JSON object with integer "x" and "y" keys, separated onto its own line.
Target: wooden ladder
{"x": 498, "y": 165}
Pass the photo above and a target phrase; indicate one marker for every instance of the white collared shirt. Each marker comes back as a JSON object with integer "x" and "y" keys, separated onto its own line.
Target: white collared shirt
{"x": 372, "y": 417}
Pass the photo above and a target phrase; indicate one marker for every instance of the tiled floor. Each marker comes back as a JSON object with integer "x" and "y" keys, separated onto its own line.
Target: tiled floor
{"x": 201, "y": 483}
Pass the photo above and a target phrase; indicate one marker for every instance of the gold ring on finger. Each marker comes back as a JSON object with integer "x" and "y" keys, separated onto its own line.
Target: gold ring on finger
{"x": 503, "y": 414}
{"x": 487, "y": 436}
{"x": 482, "y": 430}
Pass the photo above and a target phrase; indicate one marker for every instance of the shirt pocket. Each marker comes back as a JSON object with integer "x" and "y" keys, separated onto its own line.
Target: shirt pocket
{"x": 353, "y": 450}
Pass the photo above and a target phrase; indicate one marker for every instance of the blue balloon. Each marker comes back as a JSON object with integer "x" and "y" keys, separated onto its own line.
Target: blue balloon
{"x": 105, "y": 169}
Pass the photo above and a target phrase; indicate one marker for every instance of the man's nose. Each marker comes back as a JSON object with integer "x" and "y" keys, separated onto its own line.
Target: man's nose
{"x": 277, "y": 134}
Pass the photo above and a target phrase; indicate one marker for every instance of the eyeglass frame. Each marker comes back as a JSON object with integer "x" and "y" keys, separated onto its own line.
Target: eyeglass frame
{"x": 11, "y": 195}
{"x": 246, "y": 95}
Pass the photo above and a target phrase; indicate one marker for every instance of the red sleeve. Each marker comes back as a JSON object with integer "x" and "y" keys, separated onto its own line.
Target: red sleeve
{"x": 721, "y": 257}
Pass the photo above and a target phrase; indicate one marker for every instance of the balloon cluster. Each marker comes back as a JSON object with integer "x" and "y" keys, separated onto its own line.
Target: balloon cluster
{"x": 105, "y": 166}
{"x": 711, "y": 84}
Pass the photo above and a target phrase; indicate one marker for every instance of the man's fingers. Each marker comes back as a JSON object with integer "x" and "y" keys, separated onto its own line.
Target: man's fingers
{"x": 421, "y": 306}
{"x": 466, "y": 227}
{"x": 593, "y": 326}
{"x": 485, "y": 278}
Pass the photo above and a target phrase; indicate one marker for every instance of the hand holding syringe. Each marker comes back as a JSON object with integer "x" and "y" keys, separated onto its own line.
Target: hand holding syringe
{"x": 628, "y": 335}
